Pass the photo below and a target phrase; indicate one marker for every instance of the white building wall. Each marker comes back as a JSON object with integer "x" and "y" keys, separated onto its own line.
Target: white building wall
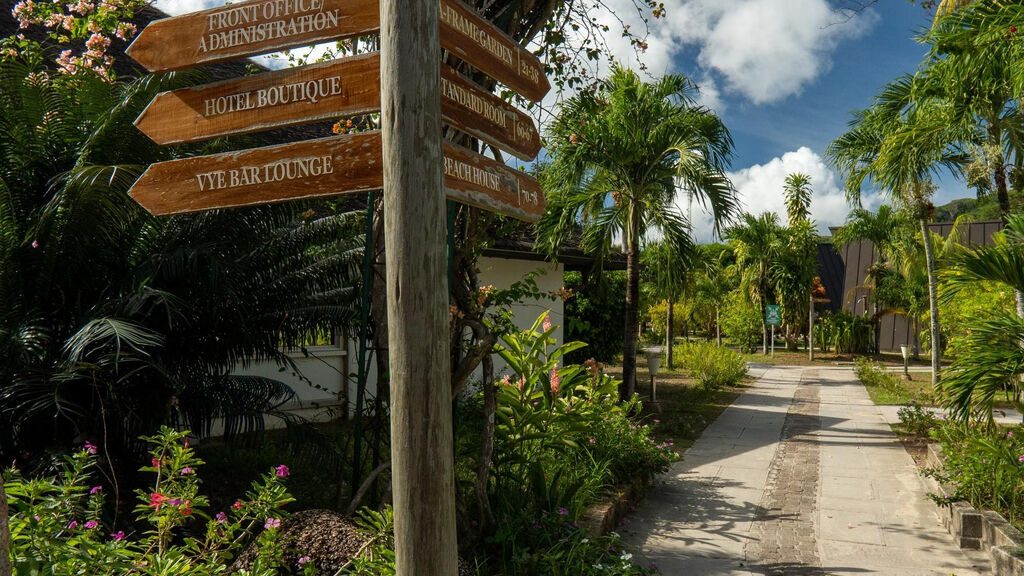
{"x": 327, "y": 366}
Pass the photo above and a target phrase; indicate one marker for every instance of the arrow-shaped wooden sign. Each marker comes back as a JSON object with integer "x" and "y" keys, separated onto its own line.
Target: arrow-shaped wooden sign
{"x": 319, "y": 168}
{"x": 258, "y": 27}
{"x": 325, "y": 91}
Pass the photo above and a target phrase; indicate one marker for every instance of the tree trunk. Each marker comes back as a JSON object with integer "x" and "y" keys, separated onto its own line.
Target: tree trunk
{"x": 486, "y": 448}
{"x": 5, "y": 535}
{"x": 917, "y": 339}
{"x": 423, "y": 482}
{"x": 668, "y": 337}
{"x": 628, "y": 387}
{"x": 933, "y": 302}
{"x": 718, "y": 326}
{"x": 999, "y": 172}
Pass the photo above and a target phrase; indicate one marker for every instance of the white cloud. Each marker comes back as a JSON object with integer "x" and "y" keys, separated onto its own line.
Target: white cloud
{"x": 760, "y": 190}
{"x": 176, "y": 7}
{"x": 763, "y": 50}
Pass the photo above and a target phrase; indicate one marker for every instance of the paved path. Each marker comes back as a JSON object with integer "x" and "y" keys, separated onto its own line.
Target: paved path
{"x": 800, "y": 476}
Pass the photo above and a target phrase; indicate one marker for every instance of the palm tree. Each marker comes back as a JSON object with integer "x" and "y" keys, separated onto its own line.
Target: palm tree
{"x": 898, "y": 143}
{"x": 758, "y": 242}
{"x": 617, "y": 156}
{"x": 669, "y": 271}
{"x": 110, "y": 315}
{"x": 993, "y": 358}
{"x": 797, "y": 191}
{"x": 714, "y": 280}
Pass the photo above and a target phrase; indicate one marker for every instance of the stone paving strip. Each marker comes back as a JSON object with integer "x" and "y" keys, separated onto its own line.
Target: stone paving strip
{"x": 801, "y": 475}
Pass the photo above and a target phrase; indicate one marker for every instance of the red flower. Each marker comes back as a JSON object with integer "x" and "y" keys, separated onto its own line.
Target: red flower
{"x": 157, "y": 499}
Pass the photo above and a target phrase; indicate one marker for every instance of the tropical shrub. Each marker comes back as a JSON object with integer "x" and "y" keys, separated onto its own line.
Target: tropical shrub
{"x": 60, "y": 525}
{"x": 958, "y": 314}
{"x": 592, "y": 313}
{"x": 983, "y": 465}
{"x": 916, "y": 419}
{"x": 713, "y": 366}
{"x": 562, "y": 441}
{"x": 741, "y": 323}
{"x": 850, "y": 334}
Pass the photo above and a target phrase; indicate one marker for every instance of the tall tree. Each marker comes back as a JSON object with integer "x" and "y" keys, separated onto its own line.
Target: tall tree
{"x": 758, "y": 242}
{"x": 898, "y": 143}
{"x": 618, "y": 155}
{"x": 797, "y": 192}
{"x": 670, "y": 273}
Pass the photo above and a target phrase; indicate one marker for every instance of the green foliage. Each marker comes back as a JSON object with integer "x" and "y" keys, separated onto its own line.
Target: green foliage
{"x": 741, "y": 322}
{"x": 916, "y": 419}
{"x": 112, "y": 316}
{"x": 562, "y": 442}
{"x": 713, "y": 366}
{"x": 59, "y": 525}
{"x": 983, "y": 465}
{"x": 959, "y": 313}
{"x": 849, "y": 334}
{"x": 593, "y": 314}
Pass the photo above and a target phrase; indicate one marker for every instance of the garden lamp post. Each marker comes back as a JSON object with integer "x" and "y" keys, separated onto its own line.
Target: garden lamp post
{"x": 905, "y": 350}
{"x": 653, "y": 356}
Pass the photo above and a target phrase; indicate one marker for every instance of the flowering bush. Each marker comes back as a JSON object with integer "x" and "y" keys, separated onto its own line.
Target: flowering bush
{"x": 60, "y": 525}
{"x": 915, "y": 419}
{"x": 562, "y": 440}
{"x": 982, "y": 464}
{"x": 94, "y": 22}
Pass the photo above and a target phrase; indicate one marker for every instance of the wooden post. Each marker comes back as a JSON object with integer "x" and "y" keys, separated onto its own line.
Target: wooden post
{"x": 810, "y": 330}
{"x": 414, "y": 230}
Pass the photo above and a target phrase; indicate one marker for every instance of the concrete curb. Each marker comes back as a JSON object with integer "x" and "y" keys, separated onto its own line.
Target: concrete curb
{"x": 985, "y": 530}
{"x": 602, "y": 518}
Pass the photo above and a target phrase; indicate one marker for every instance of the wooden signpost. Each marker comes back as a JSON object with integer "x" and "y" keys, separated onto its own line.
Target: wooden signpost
{"x": 325, "y": 91}
{"x": 320, "y": 168}
{"x": 406, "y": 158}
{"x": 257, "y": 27}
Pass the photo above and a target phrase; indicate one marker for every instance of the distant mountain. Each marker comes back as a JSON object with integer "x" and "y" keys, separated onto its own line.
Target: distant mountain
{"x": 984, "y": 208}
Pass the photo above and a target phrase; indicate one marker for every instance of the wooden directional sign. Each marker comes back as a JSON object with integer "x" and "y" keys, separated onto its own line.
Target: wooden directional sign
{"x": 261, "y": 26}
{"x": 250, "y": 28}
{"x": 318, "y": 168}
{"x": 477, "y": 41}
{"x": 317, "y": 92}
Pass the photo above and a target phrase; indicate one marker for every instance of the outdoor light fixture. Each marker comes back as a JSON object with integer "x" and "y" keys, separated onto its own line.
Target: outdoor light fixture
{"x": 653, "y": 356}
{"x": 905, "y": 350}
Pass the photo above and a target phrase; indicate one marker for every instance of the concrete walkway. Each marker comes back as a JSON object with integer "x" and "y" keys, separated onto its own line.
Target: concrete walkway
{"x": 801, "y": 475}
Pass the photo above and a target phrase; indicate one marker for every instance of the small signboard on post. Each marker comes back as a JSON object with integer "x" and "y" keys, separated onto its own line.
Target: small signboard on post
{"x": 773, "y": 315}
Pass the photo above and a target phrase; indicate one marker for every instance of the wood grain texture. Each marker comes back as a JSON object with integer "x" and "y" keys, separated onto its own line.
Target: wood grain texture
{"x": 249, "y": 28}
{"x": 262, "y": 175}
{"x": 473, "y": 179}
{"x": 480, "y": 43}
{"x": 467, "y": 107}
{"x": 288, "y": 97}
{"x": 325, "y": 91}
{"x": 286, "y": 172}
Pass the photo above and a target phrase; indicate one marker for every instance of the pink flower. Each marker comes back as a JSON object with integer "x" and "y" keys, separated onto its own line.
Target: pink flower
{"x": 95, "y": 489}
{"x": 88, "y": 445}
{"x": 546, "y": 325}
{"x": 156, "y": 500}
{"x": 221, "y": 517}
{"x": 1009, "y": 434}
{"x": 506, "y": 380}
{"x": 272, "y": 523}
{"x": 236, "y": 505}
{"x": 72, "y": 525}
{"x": 186, "y": 470}
{"x": 304, "y": 559}
{"x": 556, "y": 381}
{"x": 91, "y": 524}
{"x": 593, "y": 441}
{"x": 282, "y": 471}
{"x": 119, "y": 535}
{"x": 1021, "y": 458}
{"x": 563, "y": 512}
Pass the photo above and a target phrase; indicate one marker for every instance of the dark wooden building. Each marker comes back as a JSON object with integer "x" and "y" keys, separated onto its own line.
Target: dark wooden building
{"x": 844, "y": 269}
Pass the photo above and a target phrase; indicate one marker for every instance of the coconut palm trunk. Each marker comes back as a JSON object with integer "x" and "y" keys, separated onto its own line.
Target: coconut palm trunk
{"x": 669, "y": 336}
{"x": 933, "y": 301}
{"x": 628, "y": 386}
{"x": 718, "y": 325}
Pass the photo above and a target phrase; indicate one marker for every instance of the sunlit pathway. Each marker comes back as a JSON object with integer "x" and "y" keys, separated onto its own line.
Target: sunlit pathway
{"x": 801, "y": 475}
